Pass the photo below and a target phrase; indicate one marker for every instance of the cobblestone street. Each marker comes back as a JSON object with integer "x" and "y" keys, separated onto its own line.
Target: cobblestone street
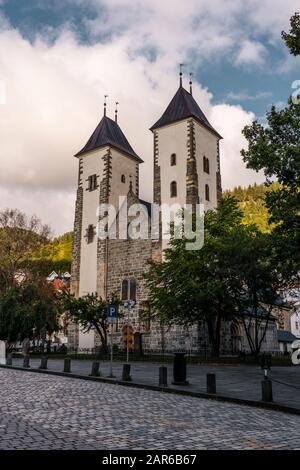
{"x": 237, "y": 381}
{"x": 47, "y": 412}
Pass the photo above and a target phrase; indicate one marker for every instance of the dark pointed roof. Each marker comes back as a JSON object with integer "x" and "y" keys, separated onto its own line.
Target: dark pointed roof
{"x": 183, "y": 106}
{"x": 108, "y": 132}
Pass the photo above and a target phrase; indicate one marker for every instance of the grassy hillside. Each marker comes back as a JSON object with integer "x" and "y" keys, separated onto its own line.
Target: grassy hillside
{"x": 55, "y": 256}
{"x": 252, "y": 201}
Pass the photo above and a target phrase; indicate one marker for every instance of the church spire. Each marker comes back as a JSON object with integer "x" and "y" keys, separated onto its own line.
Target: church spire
{"x": 105, "y": 96}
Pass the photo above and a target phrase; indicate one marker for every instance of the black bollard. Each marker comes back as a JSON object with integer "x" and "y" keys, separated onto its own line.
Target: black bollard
{"x": 179, "y": 370}
{"x": 163, "y": 376}
{"x": 26, "y": 362}
{"x": 9, "y": 359}
{"x": 67, "y": 365}
{"x": 95, "y": 369}
{"x": 126, "y": 373}
{"x": 266, "y": 390}
{"x": 44, "y": 363}
{"x": 211, "y": 383}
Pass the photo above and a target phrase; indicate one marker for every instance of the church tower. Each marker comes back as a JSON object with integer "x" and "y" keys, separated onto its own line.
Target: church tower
{"x": 108, "y": 166}
{"x": 186, "y": 155}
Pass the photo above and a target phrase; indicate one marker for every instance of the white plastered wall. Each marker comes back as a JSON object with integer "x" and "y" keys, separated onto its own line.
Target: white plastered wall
{"x": 92, "y": 164}
{"x": 206, "y": 145}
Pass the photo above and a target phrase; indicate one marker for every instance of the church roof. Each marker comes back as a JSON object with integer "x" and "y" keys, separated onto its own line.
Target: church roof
{"x": 108, "y": 132}
{"x": 183, "y": 106}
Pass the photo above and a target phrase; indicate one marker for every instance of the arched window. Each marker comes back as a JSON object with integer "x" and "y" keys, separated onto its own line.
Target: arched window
{"x": 124, "y": 293}
{"x": 173, "y": 189}
{"x": 90, "y": 233}
{"x": 173, "y": 159}
{"x": 123, "y": 179}
{"x": 132, "y": 293}
{"x": 207, "y": 192}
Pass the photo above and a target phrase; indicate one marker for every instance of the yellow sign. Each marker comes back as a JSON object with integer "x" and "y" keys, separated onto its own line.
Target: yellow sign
{"x": 128, "y": 338}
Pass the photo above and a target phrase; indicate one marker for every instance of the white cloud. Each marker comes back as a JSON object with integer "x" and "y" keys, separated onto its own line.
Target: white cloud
{"x": 55, "y": 92}
{"x": 230, "y": 120}
{"x": 245, "y": 96}
{"x": 251, "y": 53}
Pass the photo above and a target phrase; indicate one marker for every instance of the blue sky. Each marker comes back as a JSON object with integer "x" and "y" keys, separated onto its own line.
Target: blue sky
{"x": 254, "y": 87}
{"x": 58, "y": 59}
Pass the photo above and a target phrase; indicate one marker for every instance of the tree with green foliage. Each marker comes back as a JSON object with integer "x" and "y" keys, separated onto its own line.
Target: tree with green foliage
{"x": 53, "y": 256}
{"x": 257, "y": 280}
{"x": 28, "y": 311}
{"x": 191, "y": 287}
{"x": 228, "y": 279}
{"x": 89, "y": 312}
{"x": 292, "y": 39}
{"x": 275, "y": 149}
{"x": 20, "y": 236}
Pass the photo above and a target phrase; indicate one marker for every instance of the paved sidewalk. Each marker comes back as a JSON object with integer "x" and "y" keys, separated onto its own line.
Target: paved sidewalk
{"x": 40, "y": 411}
{"x": 236, "y": 381}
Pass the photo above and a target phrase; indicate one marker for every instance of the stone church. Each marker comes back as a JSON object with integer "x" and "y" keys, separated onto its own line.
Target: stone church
{"x": 186, "y": 169}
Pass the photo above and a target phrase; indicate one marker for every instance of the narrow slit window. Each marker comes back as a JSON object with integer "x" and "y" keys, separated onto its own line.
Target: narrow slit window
{"x": 90, "y": 234}
{"x": 132, "y": 294}
{"x": 124, "y": 292}
{"x": 173, "y": 159}
{"x": 207, "y": 192}
{"x": 173, "y": 189}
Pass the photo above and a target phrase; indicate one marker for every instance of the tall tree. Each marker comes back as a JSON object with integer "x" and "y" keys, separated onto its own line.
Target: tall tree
{"x": 28, "y": 311}
{"x": 275, "y": 149}
{"x": 292, "y": 39}
{"x": 199, "y": 286}
{"x": 20, "y": 236}
{"x": 258, "y": 279}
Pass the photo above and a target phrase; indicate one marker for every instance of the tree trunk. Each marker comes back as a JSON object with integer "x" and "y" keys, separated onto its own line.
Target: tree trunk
{"x": 25, "y": 346}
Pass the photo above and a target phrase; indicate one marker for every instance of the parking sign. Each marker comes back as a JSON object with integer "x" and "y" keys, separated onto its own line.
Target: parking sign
{"x": 112, "y": 313}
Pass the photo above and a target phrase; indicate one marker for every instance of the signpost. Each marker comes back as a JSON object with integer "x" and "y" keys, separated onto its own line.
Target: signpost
{"x": 112, "y": 317}
{"x": 128, "y": 305}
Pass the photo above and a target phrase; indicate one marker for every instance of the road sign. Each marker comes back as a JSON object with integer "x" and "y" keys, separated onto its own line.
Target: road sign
{"x": 127, "y": 331}
{"x": 112, "y": 313}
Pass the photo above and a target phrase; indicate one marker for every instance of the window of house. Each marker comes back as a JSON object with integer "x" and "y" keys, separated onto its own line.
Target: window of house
{"x": 173, "y": 159}
{"x": 132, "y": 293}
{"x": 207, "y": 192}
{"x": 173, "y": 189}
{"x": 90, "y": 233}
{"x": 123, "y": 179}
{"x": 124, "y": 293}
{"x": 92, "y": 183}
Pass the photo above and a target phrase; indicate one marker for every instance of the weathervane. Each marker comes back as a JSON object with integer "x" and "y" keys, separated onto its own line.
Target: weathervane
{"x": 116, "y": 111}
{"x": 180, "y": 74}
{"x": 105, "y": 96}
{"x": 191, "y": 83}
